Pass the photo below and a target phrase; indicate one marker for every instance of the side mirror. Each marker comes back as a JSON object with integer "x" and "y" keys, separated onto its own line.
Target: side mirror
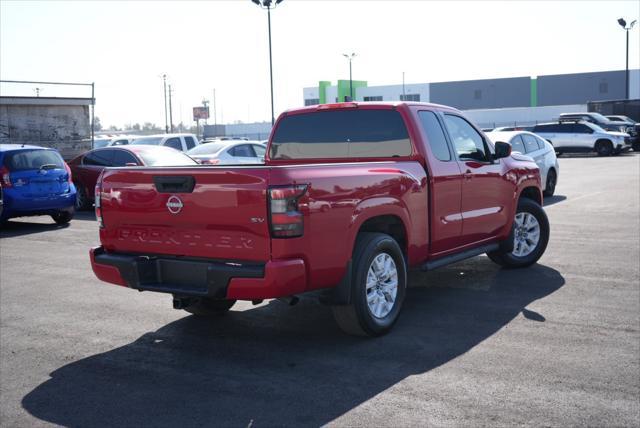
{"x": 503, "y": 150}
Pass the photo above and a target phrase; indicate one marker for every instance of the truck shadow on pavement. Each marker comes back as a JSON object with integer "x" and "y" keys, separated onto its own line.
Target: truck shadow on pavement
{"x": 279, "y": 365}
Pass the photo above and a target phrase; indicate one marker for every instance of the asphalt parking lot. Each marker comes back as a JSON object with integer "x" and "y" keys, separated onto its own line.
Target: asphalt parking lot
{"x": 556, "y": 344}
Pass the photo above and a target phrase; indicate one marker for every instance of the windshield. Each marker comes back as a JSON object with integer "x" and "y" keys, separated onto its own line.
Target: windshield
{"x": 599, "y": 117}
{"x": 33, "y": 159}
{"x": 101, "y": 143}
{"x": 165, "y": 157}
{"x": 207, "y": 149}
{"x": 148, "y": 141}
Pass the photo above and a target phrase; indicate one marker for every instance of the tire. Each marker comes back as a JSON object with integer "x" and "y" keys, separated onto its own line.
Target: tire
{"x": 604, "y": 148}
{"x": 519, "y": 257}
{"x": 82, "y": 201}
{"x": 377, "y": 257}
{"x": 206, "y": 307}
{"x": 552, "y": 180}
{"x": 62, "y": 217}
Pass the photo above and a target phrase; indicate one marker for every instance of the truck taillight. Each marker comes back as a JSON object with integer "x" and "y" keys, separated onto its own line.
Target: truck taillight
{"x": 286, "y": 219}
{"x": 98, "y": 203}
{"x": 5, "y": 176}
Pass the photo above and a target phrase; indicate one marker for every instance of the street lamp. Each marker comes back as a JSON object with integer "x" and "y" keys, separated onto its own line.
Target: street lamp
{"x": 269, "y": 4}
{"x": 623, "y": 24}
{"x": 350, "y": 57}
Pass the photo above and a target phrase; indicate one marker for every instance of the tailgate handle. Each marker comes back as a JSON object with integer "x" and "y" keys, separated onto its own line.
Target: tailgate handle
{"x": 174, "y": 183}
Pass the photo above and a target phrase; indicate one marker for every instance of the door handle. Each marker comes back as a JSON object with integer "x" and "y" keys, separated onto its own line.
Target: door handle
{"x": 467, "y": 175}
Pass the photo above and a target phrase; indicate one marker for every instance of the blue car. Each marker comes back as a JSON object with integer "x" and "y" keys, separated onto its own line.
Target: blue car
{"x": 35, "y": 181}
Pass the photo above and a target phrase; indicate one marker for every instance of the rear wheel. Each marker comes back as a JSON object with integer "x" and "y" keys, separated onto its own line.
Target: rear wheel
{"x": 206, "y": 307}
{"x": 552, "y": 179}
{"x": 530, "y": 236}
{"x": 62, "y": 217}
{"x": 604, "y": 148}
{"x": 82, "y": 202}
{"x": 378, "y": 287}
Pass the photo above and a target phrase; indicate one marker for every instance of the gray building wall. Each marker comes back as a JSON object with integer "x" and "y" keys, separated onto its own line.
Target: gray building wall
{"x": 58, "y": 123}
{"x": 478, "y": 94}
{"x": 579, "y": 88}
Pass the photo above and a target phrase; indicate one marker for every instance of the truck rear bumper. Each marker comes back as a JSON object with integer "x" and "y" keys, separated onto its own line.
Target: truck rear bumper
{"x": 198, "y": 277}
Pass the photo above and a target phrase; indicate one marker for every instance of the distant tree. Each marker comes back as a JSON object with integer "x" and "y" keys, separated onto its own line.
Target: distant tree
{"x": 135, "y": 127}
{"x": 96, "y": 124}
{"x": 113, "y": 128}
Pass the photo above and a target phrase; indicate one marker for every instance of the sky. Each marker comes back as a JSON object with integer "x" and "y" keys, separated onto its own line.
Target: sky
{"x": 125, "y": 47}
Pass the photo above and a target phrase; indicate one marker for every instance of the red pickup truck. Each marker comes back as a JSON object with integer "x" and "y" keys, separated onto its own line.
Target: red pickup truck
{"x": 350, "y": 198}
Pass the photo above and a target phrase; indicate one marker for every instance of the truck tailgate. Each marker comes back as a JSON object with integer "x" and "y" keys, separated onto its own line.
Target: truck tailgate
{"x": 208, "y": 212}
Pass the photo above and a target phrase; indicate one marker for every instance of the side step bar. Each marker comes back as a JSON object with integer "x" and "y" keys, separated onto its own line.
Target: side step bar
{"x": 457, "y": 257}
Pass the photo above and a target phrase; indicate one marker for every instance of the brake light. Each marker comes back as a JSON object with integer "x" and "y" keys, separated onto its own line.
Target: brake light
{"x": 98, "y": 202}
{"x": 68, "y": 172}
{"x": 336, "y": 105}
{"x": 6, "y": 177}
{"x": 210, "y": 161}
{"x": 286, "y": 219}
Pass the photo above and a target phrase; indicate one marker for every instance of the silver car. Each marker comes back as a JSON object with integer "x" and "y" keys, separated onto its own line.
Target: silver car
{"x": 229, "y": 153}
{"x": 540, "y": 150}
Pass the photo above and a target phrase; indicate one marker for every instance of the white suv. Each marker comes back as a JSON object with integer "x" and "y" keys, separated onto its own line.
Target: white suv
{"x": 181, "y": 142}
{"x": 581, "y": 136}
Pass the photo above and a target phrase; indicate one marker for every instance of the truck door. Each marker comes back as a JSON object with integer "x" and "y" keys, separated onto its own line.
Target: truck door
{"x": 486, "y": 194}
{"x": 445, "y": 183}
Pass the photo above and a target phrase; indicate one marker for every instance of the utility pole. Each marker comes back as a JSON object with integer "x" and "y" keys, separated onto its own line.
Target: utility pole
{"x": 170, "y": 109}
{"x": 404, "y": 97}
{"x": 215, "y": 119}
{"x": 166, "y": 123}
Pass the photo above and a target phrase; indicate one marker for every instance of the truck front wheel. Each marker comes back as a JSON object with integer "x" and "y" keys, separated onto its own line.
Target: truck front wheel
{"x": 378, "y": 287}
{"x": 530, "y": 236}
{"x": 209, "y": 307}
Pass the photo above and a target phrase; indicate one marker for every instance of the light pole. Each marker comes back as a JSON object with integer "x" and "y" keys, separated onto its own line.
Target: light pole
{"x": 166, "y": 123}
{"x": 350, "y": 57}
{"x": 269, "y": 4}
{"x": 170, "y": 109}
{"x": 623, "y": 24}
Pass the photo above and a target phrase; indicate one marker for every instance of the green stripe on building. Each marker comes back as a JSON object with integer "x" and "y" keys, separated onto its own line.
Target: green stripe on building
{"x": 534, "y": 92}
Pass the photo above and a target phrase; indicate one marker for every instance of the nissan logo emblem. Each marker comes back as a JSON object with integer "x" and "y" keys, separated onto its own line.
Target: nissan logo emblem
{"x": 174, "y": 205}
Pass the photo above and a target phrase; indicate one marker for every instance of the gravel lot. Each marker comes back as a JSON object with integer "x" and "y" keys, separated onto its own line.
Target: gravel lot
{"x": 556, "y": 344}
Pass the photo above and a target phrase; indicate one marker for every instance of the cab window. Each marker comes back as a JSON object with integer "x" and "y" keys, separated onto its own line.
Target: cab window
{"x": 468, "y": 143}
{"x": 435, "y": 135}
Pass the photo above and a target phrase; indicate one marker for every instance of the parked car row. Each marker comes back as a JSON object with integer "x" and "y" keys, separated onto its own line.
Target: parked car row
{"x": 586, "y": 132}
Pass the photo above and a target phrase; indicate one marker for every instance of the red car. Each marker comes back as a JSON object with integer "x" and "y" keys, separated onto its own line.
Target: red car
{"x": 351, "y": 197}
{"x": 87, "y": 167}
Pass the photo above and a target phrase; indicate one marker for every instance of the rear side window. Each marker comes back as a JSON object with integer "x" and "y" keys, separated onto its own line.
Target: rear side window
{"x": 122, "y": 158}
{"x": 435, "y": 135}
{"x": 99, "y": 158}
{"x": 190, "y": 143}
{"x": 517, "y": 145}
{"x": 33, "y": 159}
{"x": 242, "y": 151}
{"x": 174, "y": 143}
{"x": 338, "y": 134}
{"x": 260, "y": 150}
{"x": 545, "y": 128}
{"x": 530, "y": 143}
